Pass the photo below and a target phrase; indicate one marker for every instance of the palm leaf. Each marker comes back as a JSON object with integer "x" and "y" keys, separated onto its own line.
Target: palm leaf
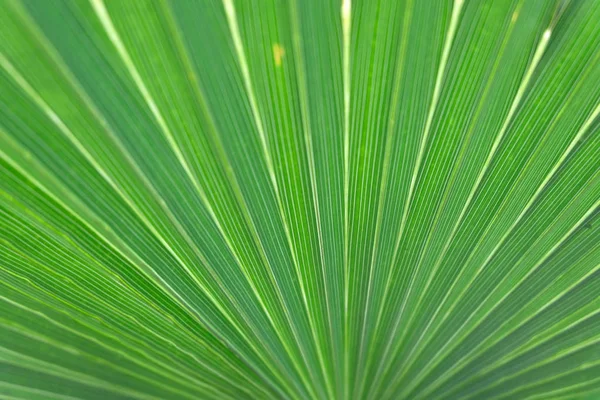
{"x": 299, "y": 199}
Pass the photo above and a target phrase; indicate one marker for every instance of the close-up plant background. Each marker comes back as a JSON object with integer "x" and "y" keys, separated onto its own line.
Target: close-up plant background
{"x": 299, "y": 199}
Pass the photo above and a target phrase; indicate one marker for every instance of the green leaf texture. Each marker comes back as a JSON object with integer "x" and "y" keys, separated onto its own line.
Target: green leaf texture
{"x": 299, "y": 199}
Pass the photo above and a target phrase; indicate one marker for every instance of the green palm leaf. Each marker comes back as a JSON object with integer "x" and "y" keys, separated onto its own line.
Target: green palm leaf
{"x": 299, "y": 199}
